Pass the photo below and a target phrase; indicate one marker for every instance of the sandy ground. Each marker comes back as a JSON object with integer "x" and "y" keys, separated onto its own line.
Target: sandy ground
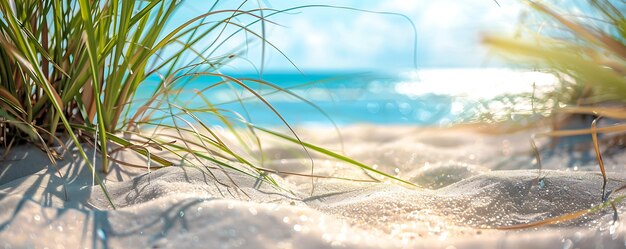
{"x": 473, "y": 183}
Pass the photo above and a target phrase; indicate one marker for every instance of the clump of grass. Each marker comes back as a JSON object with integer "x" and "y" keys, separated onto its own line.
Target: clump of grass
{"x": 588, "y": 53}
{"x": 76, "y": 69}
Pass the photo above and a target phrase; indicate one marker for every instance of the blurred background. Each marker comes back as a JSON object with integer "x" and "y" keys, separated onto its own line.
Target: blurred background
{"x": 330, "y": 39}
{"x": 383, "y": 62}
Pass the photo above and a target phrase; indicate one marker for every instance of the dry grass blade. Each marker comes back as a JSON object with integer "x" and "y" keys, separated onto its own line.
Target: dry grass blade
{"x": 9, "y": 99}
{"x": 565, "y": 217}
{"x": 596, "y": 146}
{"x": 608, "y": 112}
{"x": 549, "y": 221}
{"x": 533, "y": 146}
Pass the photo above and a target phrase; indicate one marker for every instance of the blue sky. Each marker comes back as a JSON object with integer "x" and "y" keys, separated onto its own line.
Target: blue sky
{"x": 448, "y": 34}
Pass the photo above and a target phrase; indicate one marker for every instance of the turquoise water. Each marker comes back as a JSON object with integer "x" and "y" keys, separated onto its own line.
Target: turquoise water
{"x": 430, "y": 98}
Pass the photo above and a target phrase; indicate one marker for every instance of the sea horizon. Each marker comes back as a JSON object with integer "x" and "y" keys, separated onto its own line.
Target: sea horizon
{"x": 423, "y": 97}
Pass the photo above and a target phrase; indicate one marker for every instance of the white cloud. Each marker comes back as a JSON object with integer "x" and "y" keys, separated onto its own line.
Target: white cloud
{"x": 448, "y": 34}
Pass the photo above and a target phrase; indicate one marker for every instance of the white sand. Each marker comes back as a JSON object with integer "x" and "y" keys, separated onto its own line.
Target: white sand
{"x": 477, "y": 182}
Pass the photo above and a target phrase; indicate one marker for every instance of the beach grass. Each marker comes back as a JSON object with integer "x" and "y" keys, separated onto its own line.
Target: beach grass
{"x": 588, "y": 53}
{"x": 73, "y": 69}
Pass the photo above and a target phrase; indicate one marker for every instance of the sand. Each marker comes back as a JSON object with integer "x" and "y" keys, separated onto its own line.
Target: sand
{"x": 474, "y": 183}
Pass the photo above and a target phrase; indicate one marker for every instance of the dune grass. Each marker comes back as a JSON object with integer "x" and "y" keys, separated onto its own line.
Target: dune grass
{"x": 73, "y": 69}
{"x": 588, "y": 53}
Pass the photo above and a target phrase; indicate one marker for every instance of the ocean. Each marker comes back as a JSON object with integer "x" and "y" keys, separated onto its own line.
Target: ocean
{"x": 422, "y": 98}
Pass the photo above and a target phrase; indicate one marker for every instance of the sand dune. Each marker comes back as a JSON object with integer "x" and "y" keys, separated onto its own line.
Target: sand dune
{"x": 474, "y": 183}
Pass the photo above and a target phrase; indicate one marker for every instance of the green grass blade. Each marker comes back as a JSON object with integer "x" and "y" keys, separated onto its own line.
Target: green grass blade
{"x": 85, "y": 10}
{"x": 334, "y": 155}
